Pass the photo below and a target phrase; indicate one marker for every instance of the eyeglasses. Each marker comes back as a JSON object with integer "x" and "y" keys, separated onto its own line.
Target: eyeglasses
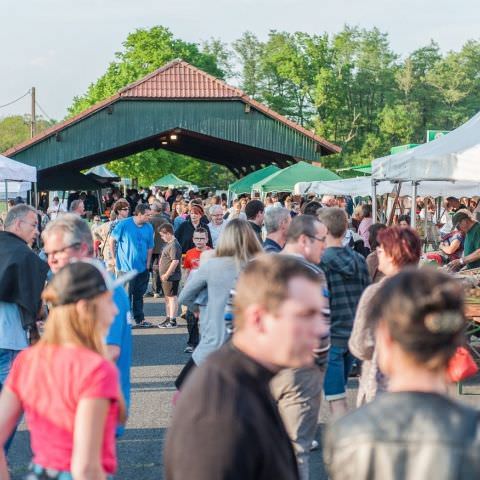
{"x": 320, "y": 239}
{"x": 62, "y": 250}
{"x": 34, "y": 225}
{"x": 198, "y": 239}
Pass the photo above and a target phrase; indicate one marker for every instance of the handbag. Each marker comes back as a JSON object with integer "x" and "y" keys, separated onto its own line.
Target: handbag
{"x": 461, "y": 365}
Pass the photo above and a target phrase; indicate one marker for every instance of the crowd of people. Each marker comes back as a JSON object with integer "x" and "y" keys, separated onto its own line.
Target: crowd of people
{"x": 284, "y": 299}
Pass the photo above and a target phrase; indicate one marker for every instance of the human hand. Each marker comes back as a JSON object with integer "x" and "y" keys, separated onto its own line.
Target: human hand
{"x": 454, "y": 265}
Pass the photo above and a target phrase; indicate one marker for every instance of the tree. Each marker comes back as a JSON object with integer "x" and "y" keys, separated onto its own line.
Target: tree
{"x": 16, "y": 129}
{"x": 143, "y": 52}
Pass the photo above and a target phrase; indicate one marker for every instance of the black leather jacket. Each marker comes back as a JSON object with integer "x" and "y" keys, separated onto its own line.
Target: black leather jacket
{"x": 405, "y": 436}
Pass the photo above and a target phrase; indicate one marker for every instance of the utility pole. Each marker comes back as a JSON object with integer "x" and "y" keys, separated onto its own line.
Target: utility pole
{"x": 34, "y": 120}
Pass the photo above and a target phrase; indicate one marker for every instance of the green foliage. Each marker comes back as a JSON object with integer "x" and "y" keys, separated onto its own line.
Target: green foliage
{"x": 16, "y": 129}
{"x": 350, "y": 87}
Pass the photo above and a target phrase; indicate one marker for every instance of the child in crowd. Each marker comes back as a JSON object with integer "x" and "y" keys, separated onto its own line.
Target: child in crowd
{"x": 191, "y": 262}
{"x": 170, "y": 274}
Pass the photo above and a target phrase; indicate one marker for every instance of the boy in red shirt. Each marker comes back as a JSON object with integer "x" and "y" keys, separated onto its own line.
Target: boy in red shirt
{"x": 191, "y": 262}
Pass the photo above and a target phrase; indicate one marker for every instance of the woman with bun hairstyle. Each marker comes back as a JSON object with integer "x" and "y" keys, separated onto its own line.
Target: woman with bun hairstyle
{"x": 413, "y": 431}
{"x": 66, "y": 387}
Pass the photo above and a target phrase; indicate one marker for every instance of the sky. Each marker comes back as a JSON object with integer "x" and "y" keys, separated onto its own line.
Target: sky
{"x": 61, "y": 46}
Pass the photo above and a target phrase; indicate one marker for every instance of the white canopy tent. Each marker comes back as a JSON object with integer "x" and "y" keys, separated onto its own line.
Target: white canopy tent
{"x": 14, "y": 189}
{"x": 362, "y": 187}
{"x": 13, "y": 171}
{"x": 16, "y": 171}
{"x": 453, "y": 157}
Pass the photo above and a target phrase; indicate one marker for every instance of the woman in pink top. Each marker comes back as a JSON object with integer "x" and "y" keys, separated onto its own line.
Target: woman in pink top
{"x": 67, "y": 388}
{"x": 365, "y": 224}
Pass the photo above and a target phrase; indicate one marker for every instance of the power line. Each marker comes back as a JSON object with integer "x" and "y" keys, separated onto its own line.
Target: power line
{"x": 44, "y": 112}
{"x": 14, "y": 101}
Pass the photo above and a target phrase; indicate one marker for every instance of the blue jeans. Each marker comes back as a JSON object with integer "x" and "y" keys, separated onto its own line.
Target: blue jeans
{"x": 136, "y": 290}
{"x": 340, "y": 362}
{"x": 6, "y": 361}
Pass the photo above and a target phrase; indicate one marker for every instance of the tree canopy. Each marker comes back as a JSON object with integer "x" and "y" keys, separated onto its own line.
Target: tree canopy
{"x": 349, "y": 87}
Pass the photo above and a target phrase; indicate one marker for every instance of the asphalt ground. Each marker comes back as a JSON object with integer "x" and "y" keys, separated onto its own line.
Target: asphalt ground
{"x": 157, "y": 359}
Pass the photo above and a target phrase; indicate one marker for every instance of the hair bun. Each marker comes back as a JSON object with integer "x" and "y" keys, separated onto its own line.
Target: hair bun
{"x": 444, "y": 322}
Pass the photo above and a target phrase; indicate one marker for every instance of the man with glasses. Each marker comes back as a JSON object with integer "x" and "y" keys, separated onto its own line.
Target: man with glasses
{"x": 347, "y": 277}
{"x": 298, "y": 390}
{"x": 69, "y": 238}
{"x": 22, "y": 277}
{"x": 217, "y": 223}
{"x": 131, "y": 244}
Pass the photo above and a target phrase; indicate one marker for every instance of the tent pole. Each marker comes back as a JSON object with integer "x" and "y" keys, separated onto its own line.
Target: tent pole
{"x": 99, "y": 200}
{"x": 374, "y": 200}
{"x": 6, "y": 196}
{"x": 413, "y": 214}
{"x": 35, "y": 195}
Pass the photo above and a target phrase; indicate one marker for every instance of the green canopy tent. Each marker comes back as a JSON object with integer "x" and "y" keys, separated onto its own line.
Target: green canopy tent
{"x": 285, "y": 180}
{"x": 171, "y": 181}
{"x": 244, "y": 184}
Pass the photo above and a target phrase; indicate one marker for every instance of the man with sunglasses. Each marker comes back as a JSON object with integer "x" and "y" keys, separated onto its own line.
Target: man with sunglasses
{"x": 22, "y": 277}
{"x": 298, "y": 390}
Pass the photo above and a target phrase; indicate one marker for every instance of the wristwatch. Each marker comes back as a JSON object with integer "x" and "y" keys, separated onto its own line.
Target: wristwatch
{"x": 462, "y": 261}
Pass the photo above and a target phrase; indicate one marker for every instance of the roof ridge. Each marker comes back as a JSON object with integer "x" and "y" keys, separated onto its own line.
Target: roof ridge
{"x": 185, "y": 64}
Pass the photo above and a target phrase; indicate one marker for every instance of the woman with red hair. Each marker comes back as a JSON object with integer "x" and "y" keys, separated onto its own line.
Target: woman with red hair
{"x": 397, "y": 248}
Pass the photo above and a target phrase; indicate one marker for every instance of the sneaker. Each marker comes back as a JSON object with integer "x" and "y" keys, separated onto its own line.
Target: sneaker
{"x": 143, "y": 324}
{"x": 188, "y": 349}
{"x": 162, "y": 324}
{"x": 148, "y": 294}
{"x": 156, "y": 295}
{"x": 172, "y": 323}
{"x": 314, "y": 445}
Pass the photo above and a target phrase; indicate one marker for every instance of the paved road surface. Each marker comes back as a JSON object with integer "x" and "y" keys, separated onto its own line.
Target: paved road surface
{"x": 157, "y": 359}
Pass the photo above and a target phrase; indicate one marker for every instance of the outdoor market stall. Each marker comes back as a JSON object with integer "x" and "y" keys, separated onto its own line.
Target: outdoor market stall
{"x": 13, "y": 171}
{"x": 453, "y": 157}
{"x": 285, "y": 179}
{"x": 171, "y": 181}
{"x": 245, "y": 184}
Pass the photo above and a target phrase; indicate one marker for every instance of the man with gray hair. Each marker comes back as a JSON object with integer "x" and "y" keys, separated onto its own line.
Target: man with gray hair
{"x": 276, "y": 222}
{"x": 69, "y": 237}
{"x": 217, "y": 223}
{"x": 22, "y": 277}
{"x": 77, "y": 207}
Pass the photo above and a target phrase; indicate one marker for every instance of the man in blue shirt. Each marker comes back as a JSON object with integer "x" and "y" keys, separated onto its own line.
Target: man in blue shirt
{"x": 131, "y": 244}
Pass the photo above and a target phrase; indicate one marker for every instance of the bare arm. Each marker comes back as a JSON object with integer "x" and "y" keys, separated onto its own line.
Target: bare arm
{"x": 113, "y": 247}
{"x": 171, "y": 268}
{"x": 452, "y": 248}
{"x": 10, "y": 411}
{"x": 88, "y": 439}
{"x": 149, "y": 257}
{"x": 112, "y": 352}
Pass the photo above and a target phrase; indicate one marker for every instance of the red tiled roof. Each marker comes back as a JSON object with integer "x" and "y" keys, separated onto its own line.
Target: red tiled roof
{"x": 178, "y": 80}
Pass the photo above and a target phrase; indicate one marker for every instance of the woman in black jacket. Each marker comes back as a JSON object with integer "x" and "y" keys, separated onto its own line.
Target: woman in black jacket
{"x": 184, "y": 233}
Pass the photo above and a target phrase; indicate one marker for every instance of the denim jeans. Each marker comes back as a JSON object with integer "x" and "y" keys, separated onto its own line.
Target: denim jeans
{"x": 156, "y": 282}
{"x": 6, "y": 361}
{"x": 340, "y": 362}
{"x": 136, "y": 289}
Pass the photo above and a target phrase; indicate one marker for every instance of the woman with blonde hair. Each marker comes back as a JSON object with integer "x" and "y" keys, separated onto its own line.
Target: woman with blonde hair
{"x": 237, "y": 245}
{"x": 67, "y": 388}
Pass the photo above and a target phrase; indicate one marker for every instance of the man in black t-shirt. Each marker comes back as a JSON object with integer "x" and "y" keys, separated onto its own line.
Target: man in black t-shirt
{"x": 226, "y": 407}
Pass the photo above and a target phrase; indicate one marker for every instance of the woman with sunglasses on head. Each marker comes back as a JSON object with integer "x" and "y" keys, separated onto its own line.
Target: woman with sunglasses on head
{"x": 397, "y": 248}
{"x": 67, "y": 388}
{"x": 413, "y": 431}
